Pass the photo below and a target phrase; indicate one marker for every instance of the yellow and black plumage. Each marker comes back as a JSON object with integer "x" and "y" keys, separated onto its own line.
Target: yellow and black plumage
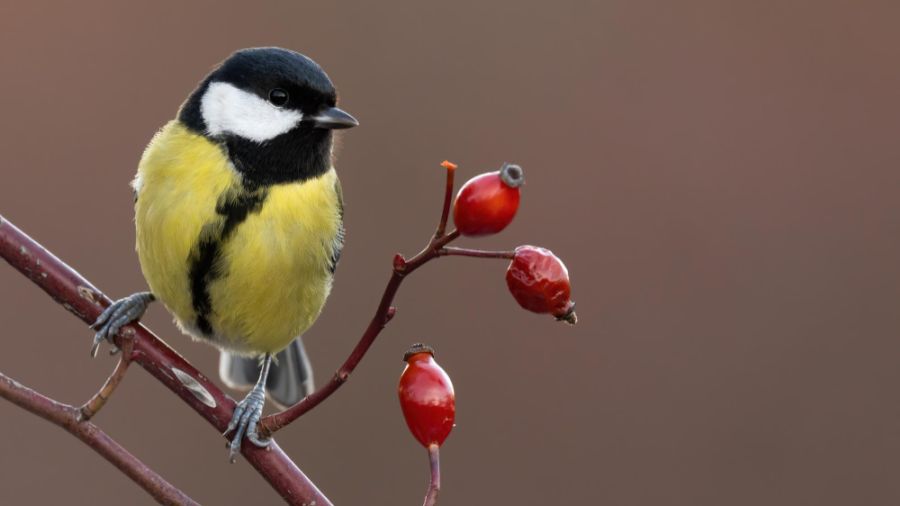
{"x": 238, "y": 214}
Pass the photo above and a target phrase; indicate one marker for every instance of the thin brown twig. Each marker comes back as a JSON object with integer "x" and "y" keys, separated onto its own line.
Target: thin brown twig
{"x": 476, "y": 253}
{"x": 383, "y": 314}
{"x": 448, "y": 196}
{"x": 434, "y": 485}
{"x": 96, "y": 403}
{"x": 69, "y": 418}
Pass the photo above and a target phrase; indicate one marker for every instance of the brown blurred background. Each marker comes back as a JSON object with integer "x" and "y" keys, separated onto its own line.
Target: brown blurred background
{"x": 720, "y": 177}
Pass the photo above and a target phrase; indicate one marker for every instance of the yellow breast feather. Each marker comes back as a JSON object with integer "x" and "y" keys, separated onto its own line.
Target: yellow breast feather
{"x": 179, "y": 179}
{"x": 278, "y": 266}
{"x": 272, "y": 271}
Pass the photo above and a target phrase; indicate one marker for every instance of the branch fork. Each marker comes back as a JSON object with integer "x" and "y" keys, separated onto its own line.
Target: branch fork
{"x": 137, "y": 344}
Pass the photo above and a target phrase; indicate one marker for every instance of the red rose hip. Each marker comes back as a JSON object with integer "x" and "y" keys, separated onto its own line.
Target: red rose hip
{"x": 487, "y": 203}
{"x": 426, "y": 397}
{"x": 539, "y": 282}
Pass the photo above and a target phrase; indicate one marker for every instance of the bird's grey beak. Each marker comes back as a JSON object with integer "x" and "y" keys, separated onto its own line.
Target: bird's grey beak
{"x": 332, "y": 119}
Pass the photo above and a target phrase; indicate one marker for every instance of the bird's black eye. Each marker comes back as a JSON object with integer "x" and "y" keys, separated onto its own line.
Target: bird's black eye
{"x": 278, "y": 97}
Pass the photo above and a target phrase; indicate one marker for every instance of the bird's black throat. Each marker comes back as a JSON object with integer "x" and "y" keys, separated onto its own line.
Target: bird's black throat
{"x": 301, "y": 154}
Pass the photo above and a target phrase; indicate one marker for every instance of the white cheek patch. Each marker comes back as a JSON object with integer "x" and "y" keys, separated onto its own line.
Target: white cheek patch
{"x": 228, "y": 109}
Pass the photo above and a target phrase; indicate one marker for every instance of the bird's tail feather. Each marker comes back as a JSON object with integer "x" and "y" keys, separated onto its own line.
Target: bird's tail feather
{"x": 290, "y": 378}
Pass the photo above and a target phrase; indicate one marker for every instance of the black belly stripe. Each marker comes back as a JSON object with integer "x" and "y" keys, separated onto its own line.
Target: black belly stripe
{"x": 233, "y": 207}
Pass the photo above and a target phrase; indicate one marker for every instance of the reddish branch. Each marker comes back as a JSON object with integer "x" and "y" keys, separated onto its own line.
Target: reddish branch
{"x": 383, "y": 315}
{"x": 69, "y": 418}
{"x": 86, "y": 302}
{"x": 448, "y": 195}
{"x": 140, "y": 345}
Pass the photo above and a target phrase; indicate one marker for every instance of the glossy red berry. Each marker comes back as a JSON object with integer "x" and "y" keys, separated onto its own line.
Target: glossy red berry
{"x": 487, "y": 203}
{"x": 426, "y": 397}
{"x": 539, "y": 281}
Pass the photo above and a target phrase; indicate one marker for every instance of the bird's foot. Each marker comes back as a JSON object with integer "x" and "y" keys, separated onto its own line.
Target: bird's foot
{"x": 117, "y": 315}
{"x": 244, "y": 420}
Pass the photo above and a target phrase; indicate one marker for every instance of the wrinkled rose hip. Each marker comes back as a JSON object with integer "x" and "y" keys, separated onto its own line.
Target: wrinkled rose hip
{"x": 539, "y": 282}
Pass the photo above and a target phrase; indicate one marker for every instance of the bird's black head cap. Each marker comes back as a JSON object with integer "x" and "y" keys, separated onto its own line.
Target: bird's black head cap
{"x": 273, "y": 110}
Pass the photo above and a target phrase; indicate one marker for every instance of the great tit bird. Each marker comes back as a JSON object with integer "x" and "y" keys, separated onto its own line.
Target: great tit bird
{"x": 239, "y": 220}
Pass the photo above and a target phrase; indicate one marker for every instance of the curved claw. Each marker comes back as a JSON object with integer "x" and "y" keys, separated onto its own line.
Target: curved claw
{"x": 253, "y": 436}
{"x": 244, "y": 421}
{"x": 96, "y": 345}
{"x": 235, "y": 446}
{"x": 103, "y": 316}
{"x": 117, "y": 315}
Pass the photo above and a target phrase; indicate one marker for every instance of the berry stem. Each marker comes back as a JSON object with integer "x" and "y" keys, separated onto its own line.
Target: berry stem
{"x": 272, "y": 423}
{"x": 476, "y": 253}
{"x": 401, "y": 268}
{"x": 434, "y": 486}
{"x": 448, "y": 198}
